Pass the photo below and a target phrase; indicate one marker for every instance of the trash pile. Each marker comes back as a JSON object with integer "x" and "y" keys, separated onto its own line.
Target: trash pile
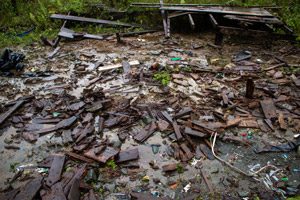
{"x": 150, "y": 118}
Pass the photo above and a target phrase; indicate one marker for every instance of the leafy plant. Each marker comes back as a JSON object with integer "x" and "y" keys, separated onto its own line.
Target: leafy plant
{"x": 179, "y": 169}
{"x": 165, "y": 78}
{"x": 12, "y": 167}
{"x": 111, "y": 163}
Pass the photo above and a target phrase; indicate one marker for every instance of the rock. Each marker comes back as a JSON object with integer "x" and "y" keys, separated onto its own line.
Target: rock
{"x": 155, "y": 149}
{"x": 29, "y": 154}
{"x": 281, "y": 185}
{"x": 117, "y": 144}
{"x": 156, "y": 180}
{"x": 109, "y": 186}
{"x": 243, "y": 194}
{"x": 91, "y": 175}
{"x": 101, "y": 178}
{"x": 215, "y": 170}
{"x": 7, "y": 141}
{"x": 124, "y": 171}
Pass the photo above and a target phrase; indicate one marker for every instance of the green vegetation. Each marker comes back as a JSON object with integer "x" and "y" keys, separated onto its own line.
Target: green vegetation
{"x": 18, "y": 16}
{"x": 163, "y": 76}
{"x": 111, "y": 163}
{"x": 12, "y": 167}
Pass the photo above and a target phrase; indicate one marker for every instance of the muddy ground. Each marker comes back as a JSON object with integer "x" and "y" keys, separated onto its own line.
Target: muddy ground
{"x": 215, "y": 71}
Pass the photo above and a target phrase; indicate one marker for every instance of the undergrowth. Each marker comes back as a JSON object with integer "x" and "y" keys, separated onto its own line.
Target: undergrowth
{"x": 18, "y": 16}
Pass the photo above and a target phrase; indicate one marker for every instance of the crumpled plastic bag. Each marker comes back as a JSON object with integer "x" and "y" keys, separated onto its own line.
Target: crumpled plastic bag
{"x": 289, "y": 146}
{"x": 10, "y": 60}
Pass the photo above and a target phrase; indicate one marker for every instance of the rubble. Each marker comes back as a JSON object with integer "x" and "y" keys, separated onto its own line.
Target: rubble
{"x": 102, "y": 126}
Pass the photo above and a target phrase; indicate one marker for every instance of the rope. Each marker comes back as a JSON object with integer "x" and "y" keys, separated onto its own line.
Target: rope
{"x": 233, "y": 167}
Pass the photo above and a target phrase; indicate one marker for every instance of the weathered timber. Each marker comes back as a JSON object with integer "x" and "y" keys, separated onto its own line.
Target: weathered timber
{"x": 222, "y": 10}
{"x": 281, "y": 121}
{"x": 206, "y": 151}
{"x": 74, "y": 193}
{"x": 177, "y": 131}
{"x": 183, "y": 112}
{"x": 91, "y": 20}
{"x": 39, "y": 120}
{"x": 56, "y": 169}
{"x": 192, "y": 23}
{"x": 62, "y": 124}
{"x": 79, "y": 157}
{"x": 192, "y": 132}
{"x": 250, "y": 88}
{"x": 56, "y": 192}
{"x": 171, "y": 167}
{"x": 78, "y": 174}
{"x": 76, "y": 106}
{"x": 264, "y": 20}
{"x": 109, "y": 67}
{"x": 54, "y": 52}
{"x": 67, "y": 136}
{"x": 187, "y": 151}
{"x": 104, "y": 156}
{"x": 4, "y": 116}
{"x": 146, "y": 132}
{"x": 126, "y": 155}
{"x": 211, "y": 190}
{"x": 86, "y": 131}
{"x": 30, "y": 190}
{"x": 269, "y": 108}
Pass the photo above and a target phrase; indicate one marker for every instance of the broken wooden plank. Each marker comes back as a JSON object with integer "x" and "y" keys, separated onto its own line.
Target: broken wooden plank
{"x": 187, "y": 151}
{"x": 56, "y": 169}
{"x": 4, "y": 116}
{"x": 109, "y": 67}
{"x": 30, "y": 190}
{"x": 206, "y": 151}
{"x": 221, "y": 10}
{"x": 233, "y": 122}
{"x": 171, "y": 167}
{"x": 281, "y": 121}
{"x": 183, "y": 112}
{"x": 91, "y": 20}
{"x": 250, "y": 88}
{"x": 86, "y": 131}
{"x": 74, "y": 191}
{"x": 248, "y": 123}
{"x": 109, "y": 153}
{"x": 255, "y": 19}
{"x": 211, "y": 190}
{"x": 269, "y": 123}
{"x": 146, "y": 132}
{"x": 62, "y": 124}
{"x": 126, "y": 155}
{"x": 269, "y": 109}
{"x": 192, "y": 23}
{"x": 177, "y": 131}
{"x": 79, "y": 157}
{"x": 78, "y": 174}
{"x": 56, "y": 192}
{"x": 67, "y": 136}
{"x": 192, "y": 132}
{"x": 54, "y": 52}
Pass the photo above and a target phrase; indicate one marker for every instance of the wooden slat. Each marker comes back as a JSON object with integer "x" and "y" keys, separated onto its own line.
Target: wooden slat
{"x": 222, "y": 10}
{"x": 192, "y": 23}
{"x": 254, "y": 19}
{"x": 109, "y": 67}
{"x": 4, "y": 116}
{"x": 91, "y": 20}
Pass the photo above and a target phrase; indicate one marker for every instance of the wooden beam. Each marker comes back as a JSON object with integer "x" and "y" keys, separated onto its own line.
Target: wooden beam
{"x": 92, "y": 20}
{"x": 4, "y": 116}
{"x": 192, "y": 23}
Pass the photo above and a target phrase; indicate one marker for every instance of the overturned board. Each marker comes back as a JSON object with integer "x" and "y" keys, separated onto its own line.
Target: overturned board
{"x": 92, "y": 20}
{"x": 222, "y": 10}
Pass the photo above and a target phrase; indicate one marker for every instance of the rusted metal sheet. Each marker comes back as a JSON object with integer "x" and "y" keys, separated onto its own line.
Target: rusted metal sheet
{"x": 91, "y": 20}
{"x": 4, "y": 116}
{"x": 269, "y": 109}
{"x": 56, "y": 169}
{"x": 146, "y": 132}
{"x": 126, "y": 155}
{"x": 222, "y": 10}
{"x": 103, "y": 157}
{"x": 30, "y": 190}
